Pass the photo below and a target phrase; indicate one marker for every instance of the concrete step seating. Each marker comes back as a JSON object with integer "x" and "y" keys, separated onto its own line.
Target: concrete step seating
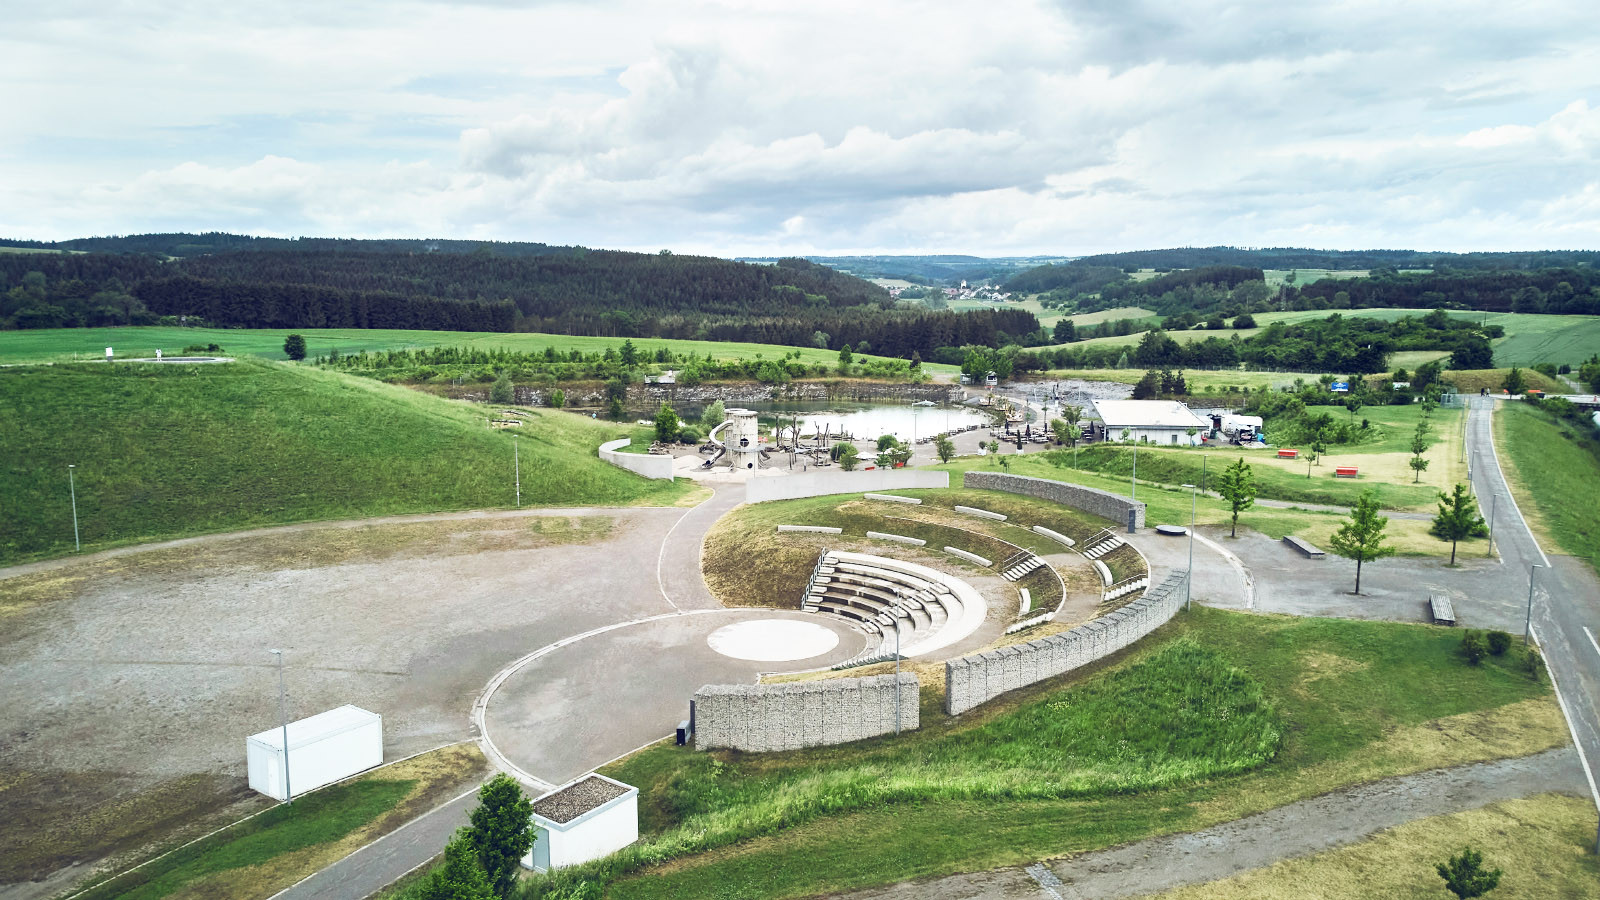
{"x": 933, "y": 610}
{"x": 1018, "y": 565}
{"x": 1128, "y": 586}
{"x": 1102, "y": 543}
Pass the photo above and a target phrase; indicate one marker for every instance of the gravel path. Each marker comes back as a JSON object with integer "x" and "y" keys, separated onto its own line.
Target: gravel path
{"x": 1298, "y": 829}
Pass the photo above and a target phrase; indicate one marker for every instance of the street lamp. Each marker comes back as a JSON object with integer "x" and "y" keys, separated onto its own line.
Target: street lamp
{"x": 1135, "y": 470}
{"x": 283, "y": 717}
{"x": 72, "y": 485}
{"x": 1188, "y": 581}
{"x": 1527, "y": 624}
{"x": 1494, "y": 503}
{"x": 897, "y": 612}
{"x": 516, "y": 461}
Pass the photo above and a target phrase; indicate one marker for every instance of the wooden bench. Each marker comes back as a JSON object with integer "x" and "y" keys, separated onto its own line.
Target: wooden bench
{"x": 1288, "y": 454}
{"x": 1346, "y": 472}
{"x": 1442, "y": 611}
{"x": 1309, "y": 551}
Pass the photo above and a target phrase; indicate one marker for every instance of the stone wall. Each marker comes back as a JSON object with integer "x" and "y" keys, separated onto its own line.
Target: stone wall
{"x": 766, "y": 717}
{"x": 650, "y": 466}
{"x": 977, "y": 679}
{"x": 818, "y": 482}
{"x": 1104, "y": 504}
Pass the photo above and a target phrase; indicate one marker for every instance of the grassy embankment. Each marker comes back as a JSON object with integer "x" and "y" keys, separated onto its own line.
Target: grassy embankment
{"x": 262, "y": 855}
{"x": 1542, "y": 843}
{"x": 60, "y": 344}
{"x": 169, "y": 451}
{"x": 1554, "y": 468}
{"x": 1216, "y": 716}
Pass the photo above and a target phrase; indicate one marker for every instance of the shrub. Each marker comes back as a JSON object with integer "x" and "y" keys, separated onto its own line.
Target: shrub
{"x": 1499, "y": 643}
{"x": 558, "y": 399}
{"x": 502, "y": 391}
{"x": 294, "y": 347}
{"x": 1533, "y": 664}
{"x": 1472, "y": 647}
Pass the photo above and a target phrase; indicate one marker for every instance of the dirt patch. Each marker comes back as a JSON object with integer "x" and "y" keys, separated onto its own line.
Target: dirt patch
{"x": 1319, "y": 665}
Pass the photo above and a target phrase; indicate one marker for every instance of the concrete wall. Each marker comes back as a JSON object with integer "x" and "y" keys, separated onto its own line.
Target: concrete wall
{"x": 645, "y": 464}
{"x": 977, "y": 679}
{"x": 766, "y": 717}
{"x": 1104, "y": 504}
{"x": 818, "y": 483}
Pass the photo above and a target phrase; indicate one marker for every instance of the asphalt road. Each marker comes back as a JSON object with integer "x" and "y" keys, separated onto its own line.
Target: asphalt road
{"x": 1566, "y": 601}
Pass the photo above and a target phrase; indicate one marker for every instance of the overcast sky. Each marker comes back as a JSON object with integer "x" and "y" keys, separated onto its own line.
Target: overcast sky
{"x": 995, "y": 128}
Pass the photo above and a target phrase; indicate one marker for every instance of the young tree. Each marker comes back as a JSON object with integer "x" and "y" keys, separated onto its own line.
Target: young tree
{"x": 1073, "y": 415}
{"x": 615, "y": 410}
{"x": 1062, "y": 430}
{"x": 501, "y": 391}
{"x": 461, "y": 877}
{"x": 944, "y": 447}
{"x": 1237, "y": 486}
{"x": 1361, "y": 538}
{"x": 1465, "y": 876}
{"x": 1353, "y": 405}
{"x": 1429, "y": 404}
{"x": 1458, "y": 519}
{"x": 714, "y": 414}
{"x": 558, "y": 398}
{"x": 501, "y": 832}
{"x": 667, "y": 424}
{"x": 845, "y": 358}
{"x": 294, "y": 347}
{"x": 1514, "y": 383}
{"x": 848, "y": 455}
{"x": 1419, "y": 445}
{"x": 629, "y": 354}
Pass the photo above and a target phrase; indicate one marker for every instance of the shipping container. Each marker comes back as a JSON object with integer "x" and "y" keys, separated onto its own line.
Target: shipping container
{"x": 322, "y": 749}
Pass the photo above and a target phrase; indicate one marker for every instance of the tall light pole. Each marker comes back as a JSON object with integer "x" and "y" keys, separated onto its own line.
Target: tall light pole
{"x": 897, "y": 611}
{"x": 283, "y": 717}
{"x": 516, "y": 461}
{"x": 72, "y": 486}
{"x": 1494, "y": 503}
{"x": 1188, "y": 580}
{"x": 1527, "y": 624}
{"x": 1135, "y": 470}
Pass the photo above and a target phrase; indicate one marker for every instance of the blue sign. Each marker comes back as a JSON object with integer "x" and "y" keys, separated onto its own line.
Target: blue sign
{"x": 1339, "y": 386}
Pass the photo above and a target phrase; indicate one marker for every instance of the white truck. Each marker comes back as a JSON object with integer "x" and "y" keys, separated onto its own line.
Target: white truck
{"x": 1237, "y": 429}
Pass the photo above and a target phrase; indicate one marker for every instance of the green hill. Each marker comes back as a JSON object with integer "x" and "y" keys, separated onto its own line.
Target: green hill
{"x": 167, "y": 451}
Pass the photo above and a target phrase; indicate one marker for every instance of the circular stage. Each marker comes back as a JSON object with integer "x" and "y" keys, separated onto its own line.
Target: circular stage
{"x": 773, "y": 640}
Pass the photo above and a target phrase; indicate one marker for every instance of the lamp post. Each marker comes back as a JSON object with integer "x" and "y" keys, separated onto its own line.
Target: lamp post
{"x": 516, "y": 462}
{"x": 283, "y": 717}
{"x": 897, "y": 611}
{"x": 1494, "y": 504}
{"x": 1188, "y": 580}
{"x": 1135, "y": 470}
{"x": 1527, "y": 623}
{"x": 72, "y": 485}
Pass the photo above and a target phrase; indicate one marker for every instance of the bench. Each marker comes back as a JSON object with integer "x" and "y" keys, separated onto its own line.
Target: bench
{"x": 1288, "y": 454}
{"x": 1440, "y": 609}
{"x": 1308, "y": 550}
{"x": 1346, "y": 472}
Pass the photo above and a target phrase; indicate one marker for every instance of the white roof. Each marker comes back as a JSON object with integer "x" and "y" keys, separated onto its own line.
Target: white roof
{"x": 313, "y": 729}
{"x": 1147, "y": 414}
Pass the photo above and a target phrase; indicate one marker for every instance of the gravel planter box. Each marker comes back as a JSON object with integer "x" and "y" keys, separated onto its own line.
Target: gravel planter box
{"x": 583, "y": 820}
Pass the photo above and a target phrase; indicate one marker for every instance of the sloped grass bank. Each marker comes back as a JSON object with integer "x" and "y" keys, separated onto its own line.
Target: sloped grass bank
{"x": 1279, "y": 709}
{"x": 1558, "y": 465}
{"x": 170, "y": 451}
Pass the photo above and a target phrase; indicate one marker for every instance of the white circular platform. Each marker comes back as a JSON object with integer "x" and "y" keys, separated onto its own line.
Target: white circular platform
{"x": 772, "y": 640}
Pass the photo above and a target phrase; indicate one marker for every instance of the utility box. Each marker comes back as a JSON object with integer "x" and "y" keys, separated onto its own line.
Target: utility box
{"x": 322, "y": 749}
{"x": 582, "y": 820}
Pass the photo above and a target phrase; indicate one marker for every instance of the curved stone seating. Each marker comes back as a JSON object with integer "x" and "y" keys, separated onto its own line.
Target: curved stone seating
{"x": 1102, "y": 543}
{"x": 933, "y": 610}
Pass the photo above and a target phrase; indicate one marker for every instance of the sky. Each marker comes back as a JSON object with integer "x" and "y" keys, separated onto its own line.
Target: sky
{"x": 730, "y": 128}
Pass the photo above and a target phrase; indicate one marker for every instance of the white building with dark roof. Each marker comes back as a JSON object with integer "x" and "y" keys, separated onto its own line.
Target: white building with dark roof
{"x": 1165, "y": 422}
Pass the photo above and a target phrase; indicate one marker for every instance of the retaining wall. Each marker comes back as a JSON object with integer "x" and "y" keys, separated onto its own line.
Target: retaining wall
{"x": 766, "y": 717}
{"x": 977, "y": 679}
{"x": 645, "y": 464}
{"x": 817, "y": 484}
{"x": 1104, "y": 504}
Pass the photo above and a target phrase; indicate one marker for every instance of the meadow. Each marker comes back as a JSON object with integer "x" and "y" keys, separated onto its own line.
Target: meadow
{"x": 1215, "y": 716}
{"x": 1557, "y": 466}
{"x": 165, "y": 451}
{"x": 66, "y": 344}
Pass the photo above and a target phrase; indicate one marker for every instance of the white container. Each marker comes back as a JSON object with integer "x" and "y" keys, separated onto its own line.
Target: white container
{"x": 322, "y": 749}
{"x": 585, "y": 830}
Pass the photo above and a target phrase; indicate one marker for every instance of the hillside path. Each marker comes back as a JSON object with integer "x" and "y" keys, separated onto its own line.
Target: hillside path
{"x": 1309, "y": 826}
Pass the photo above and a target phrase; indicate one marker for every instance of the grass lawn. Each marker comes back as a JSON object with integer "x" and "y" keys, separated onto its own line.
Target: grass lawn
{"x": 1544, "y": 845}
{"x": 169, "y": 451}
{"x": 1216, "y": 716}
{"x": 1468, "y": 381}
{"x": 1554, "y": 468}
{"x": 58, "y": 344}
{"x": 262, "y": 855}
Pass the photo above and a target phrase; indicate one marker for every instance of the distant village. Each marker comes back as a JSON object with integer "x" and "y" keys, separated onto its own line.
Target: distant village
{"x": 964, "y": 292}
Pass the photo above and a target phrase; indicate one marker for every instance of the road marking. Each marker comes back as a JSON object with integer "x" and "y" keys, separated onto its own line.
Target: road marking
{"x": 1592, "y": 642}
{"x": 1046, "y": 879}
{"x": 1571, "y": 727}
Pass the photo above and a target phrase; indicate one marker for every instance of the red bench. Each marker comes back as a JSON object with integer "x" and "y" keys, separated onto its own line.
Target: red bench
{"x": 1346, "y": 472}
{"x": 1288, "y": 454}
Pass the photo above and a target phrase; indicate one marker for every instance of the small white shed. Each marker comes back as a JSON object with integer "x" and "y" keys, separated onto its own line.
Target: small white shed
{"x": 322, "y": 749}
{"x": 583, "y": 820}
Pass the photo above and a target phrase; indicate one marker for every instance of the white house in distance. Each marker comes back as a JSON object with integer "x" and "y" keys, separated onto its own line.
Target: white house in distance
{"x": 1151, "y": 421}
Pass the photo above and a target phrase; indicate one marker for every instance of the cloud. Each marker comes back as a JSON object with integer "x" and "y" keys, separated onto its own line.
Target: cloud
{"x": 741, "y": 127}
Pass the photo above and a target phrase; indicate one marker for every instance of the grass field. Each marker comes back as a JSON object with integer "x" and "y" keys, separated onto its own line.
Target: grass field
{"x": 1542, "y": 843}
{"x": 1216, "y": 716}
{"x": 1559, "y": 474}
{"x": 168, "y": 451}
{"x": 267, "y": 853}
{"x": 59, "y": 344}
